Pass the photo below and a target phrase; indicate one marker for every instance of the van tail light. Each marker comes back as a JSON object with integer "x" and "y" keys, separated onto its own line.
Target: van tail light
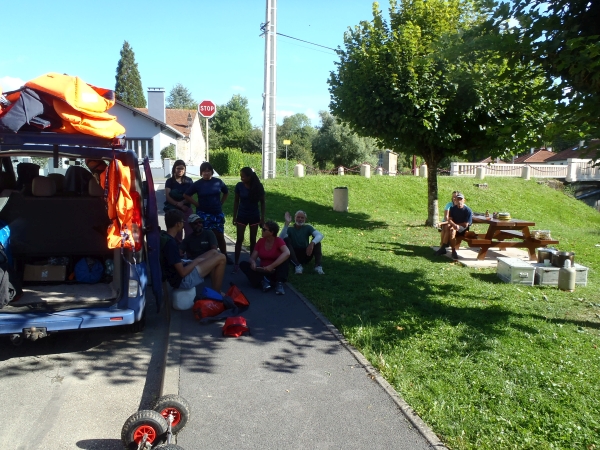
{"x": 136, "y": 223}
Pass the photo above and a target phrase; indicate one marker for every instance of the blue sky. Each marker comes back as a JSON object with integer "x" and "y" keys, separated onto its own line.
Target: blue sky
{"x": 211, "y": 47}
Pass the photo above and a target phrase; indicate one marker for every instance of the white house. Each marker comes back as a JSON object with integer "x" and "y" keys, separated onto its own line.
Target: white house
{"x": 149, "y": 130}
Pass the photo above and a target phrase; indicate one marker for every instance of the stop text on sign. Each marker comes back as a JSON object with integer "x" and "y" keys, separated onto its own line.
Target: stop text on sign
{"x": 207, "y": 109}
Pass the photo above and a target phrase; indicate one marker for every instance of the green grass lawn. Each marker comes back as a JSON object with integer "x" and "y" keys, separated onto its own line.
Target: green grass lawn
{"x": 484, "y": 363}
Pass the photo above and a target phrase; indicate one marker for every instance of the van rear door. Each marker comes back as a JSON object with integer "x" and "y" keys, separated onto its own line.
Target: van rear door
{"x": 153, "y": 236}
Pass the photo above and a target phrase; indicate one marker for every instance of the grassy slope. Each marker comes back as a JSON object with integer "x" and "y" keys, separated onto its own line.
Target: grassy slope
{"x": 486, "y": 364}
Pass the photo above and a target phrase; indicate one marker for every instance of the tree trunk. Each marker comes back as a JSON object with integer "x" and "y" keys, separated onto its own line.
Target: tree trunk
{"x": 432, "y": 192}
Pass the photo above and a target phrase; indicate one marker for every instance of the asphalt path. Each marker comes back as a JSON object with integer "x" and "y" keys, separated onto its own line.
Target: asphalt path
{"x": 76, "y": 390}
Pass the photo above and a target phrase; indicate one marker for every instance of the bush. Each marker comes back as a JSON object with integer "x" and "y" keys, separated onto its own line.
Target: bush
{"x": 168, "y": 152}
{"x": 229, "y": 161}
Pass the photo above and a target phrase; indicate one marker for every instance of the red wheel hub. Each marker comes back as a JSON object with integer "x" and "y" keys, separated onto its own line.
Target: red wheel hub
{"x": 139, "y": 433}
{"x": 176, "y": 415}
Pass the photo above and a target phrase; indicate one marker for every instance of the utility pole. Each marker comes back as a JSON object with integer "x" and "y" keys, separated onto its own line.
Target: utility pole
{"x": 269, "y": 31}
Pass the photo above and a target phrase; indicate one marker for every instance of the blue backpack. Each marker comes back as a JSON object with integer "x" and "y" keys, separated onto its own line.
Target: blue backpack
{"x": 88, "y": 270}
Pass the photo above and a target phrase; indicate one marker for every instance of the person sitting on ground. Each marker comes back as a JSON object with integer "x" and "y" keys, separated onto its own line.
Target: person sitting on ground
{"x": 459, "y": 220}
{"x": 445, "y": 229}
{"x": 297, "y": 239}
{"x": 200, "y": 240}
{"x": 273, "y": 254}
{"x": 189, "y": 273}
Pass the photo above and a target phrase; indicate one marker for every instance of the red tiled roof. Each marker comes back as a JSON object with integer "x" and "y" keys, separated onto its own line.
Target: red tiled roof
{"x": 538, "y": 156}
{"x": 176, "y": 118}
{"x": 590, "y": 150}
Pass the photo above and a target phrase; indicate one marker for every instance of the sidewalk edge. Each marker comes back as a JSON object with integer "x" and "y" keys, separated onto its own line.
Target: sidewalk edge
{"x": 408, "y": 412}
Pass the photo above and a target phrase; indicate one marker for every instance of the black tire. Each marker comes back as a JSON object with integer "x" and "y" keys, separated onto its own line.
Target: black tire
{"x": 137, "y": 327}
{"x": 176, "y": 405}
{"x": 145, "y": 421}
{"x": 168, "y": 447}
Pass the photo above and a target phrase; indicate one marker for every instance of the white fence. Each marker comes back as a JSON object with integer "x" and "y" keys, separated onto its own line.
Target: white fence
{"x": 574, "y": 170}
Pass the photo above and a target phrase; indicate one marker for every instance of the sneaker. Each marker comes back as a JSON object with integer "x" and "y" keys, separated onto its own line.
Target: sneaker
{"x": 298, "y": 269}
{"x": 441, "y": 251}
{"x": 236, "y": 267}
{"x": 319, "y": 270}
{"x": 279, "y": 289}
{"x": 229, "y": 261}
{"x": 266, "y": 284}
{"x": 454, "y": 254}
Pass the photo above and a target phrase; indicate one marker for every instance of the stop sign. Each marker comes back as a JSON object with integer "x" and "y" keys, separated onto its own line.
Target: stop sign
{"x": 207, "y": 109}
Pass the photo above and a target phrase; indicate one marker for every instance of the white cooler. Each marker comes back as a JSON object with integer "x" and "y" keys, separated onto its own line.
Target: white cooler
{"x": 515, "y": 271}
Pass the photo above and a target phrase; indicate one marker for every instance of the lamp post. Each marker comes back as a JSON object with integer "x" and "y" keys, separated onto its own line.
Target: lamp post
{"x": 286, "y": 142}
{"x": 190, "y": 120}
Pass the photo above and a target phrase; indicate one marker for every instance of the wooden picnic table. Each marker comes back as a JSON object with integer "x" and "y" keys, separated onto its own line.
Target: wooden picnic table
{"x": 504, "y": 234}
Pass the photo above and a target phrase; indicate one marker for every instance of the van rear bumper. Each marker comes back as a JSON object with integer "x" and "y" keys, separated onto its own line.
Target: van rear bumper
{"x": 71, "y": 320}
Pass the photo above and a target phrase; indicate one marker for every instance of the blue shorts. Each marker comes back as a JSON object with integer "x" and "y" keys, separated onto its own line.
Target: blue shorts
{"x": 214, "y": 222}
{"x": 191, "y": 280}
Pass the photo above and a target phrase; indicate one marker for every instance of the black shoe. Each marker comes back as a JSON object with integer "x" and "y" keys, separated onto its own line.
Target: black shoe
{"x": 441, "y": 251}
{"x": 454, "y": 254}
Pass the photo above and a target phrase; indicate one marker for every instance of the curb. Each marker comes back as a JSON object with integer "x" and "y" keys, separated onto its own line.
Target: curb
{"x": 408, "y": 412}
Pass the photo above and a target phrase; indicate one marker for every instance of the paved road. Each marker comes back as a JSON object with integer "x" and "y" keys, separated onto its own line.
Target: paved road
{"x": 76, "y": 390}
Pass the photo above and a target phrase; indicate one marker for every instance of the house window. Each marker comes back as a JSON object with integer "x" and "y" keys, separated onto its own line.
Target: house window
{"x": 380, "y": 159}
{"x": 142, "y": 147}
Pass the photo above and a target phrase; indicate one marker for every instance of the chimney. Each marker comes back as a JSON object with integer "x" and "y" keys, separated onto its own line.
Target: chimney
{"x": 156, "y": 103}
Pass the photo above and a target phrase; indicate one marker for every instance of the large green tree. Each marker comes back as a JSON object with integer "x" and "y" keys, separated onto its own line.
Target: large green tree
{"x": 416, "y": 84}
{"x": 232, "y": 122}
{"x": 180, "y": 98}
{"x": 337, "y": 145}
{"x": 128, "y": 87}
{"x": 298, "y": 129}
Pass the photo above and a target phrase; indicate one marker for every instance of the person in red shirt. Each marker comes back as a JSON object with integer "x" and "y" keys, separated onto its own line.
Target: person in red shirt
{"x": 274, "y": 256}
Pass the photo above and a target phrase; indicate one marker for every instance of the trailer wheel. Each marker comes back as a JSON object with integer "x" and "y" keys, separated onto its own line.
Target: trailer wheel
{"x": 168, "y": 447}
{"x": 176, "y": 405}
{"x": 144, "y": 422}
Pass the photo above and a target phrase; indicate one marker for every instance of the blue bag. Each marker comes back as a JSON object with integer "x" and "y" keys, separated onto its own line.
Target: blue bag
{"x": 88, "y": 270}
{"x": 5, "y": 241}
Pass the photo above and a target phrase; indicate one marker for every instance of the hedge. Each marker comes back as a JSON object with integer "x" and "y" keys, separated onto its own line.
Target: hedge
{"x": 229, "y": 161}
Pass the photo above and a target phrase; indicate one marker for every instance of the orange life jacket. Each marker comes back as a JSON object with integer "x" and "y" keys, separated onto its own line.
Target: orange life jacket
{"x": 81, "y": 106}
{"x": 116, "y": 181}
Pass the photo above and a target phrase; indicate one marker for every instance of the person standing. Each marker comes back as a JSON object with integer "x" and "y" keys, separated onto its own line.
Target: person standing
{"x": 212, "y": 192}
{"x": 302, "y": 248}
{"x": 175, "y": 187}
{"x": 273, "y": 254}
{"x": 249, "y": 192}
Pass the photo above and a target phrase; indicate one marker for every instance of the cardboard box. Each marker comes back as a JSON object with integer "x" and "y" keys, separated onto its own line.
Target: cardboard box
{"x": 548, "y": 275}
{"x": 44, "y": 273}
{"x": 515, "y": 270}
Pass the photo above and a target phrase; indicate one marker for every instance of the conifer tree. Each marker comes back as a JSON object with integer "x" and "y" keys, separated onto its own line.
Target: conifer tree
{"x": 180, "y": 98}
{"x": 128, "y": 87}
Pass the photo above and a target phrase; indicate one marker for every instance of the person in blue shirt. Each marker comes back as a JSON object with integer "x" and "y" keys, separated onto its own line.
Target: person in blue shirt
{"x": 212, "y": 193}
{"x": 175, "y": 187}
{"x": 249, "y": 192}
{"x": 460, "y": 219}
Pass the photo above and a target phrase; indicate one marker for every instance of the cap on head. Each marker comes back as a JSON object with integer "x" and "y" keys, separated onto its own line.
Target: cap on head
{"x": 194, "y": 218}
{"x": 460, "y": 195}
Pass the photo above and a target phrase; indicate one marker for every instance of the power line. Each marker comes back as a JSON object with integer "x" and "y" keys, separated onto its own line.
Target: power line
{"x": 302, "y": 40}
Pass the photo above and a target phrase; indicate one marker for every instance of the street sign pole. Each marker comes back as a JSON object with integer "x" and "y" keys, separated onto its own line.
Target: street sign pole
{"x": 207, "y": 109}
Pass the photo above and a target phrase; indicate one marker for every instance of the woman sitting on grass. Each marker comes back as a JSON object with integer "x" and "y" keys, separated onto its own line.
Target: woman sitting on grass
{"x": 273, "y": 254}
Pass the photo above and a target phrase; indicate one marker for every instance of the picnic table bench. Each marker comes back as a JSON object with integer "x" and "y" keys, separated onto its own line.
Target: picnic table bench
{"x": 504, "y": 234}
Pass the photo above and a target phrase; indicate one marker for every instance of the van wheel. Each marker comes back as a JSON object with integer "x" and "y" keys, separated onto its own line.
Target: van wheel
{"x": 138, "y": 326}
{"x": 144, "y": 423}
{"x": 175, "y": 405}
